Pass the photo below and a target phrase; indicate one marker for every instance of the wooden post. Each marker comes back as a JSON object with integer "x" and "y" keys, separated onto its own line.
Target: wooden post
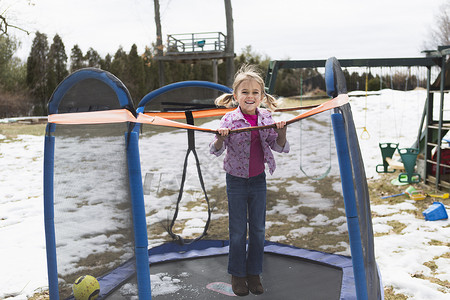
{"x": 229, "y": 60}
{"x": 215, "y": 71}
{"x": 159, "y": 44}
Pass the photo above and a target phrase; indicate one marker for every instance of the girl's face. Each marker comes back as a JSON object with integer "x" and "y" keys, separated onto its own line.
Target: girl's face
{"x": 249, "y": 96}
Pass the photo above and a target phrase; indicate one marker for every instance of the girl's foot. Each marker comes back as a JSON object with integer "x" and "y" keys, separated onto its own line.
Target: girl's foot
{"x": 254, "y": 284}
{"x": 239, "y": 285}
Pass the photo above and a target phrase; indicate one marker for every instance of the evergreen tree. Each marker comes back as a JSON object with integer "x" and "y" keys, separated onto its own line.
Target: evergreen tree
{"x": 119, "y": 64}
{"x": 105, "y": 64}
{"x": 203, "y": 71}
{"x": 57, "y": 63}
{"x": 93, "y": 58}
{"x": 37, "y": 72}
{"x": 249, "y": 56}
{"x": 136, "y": 74}
{"x": 76, "y": 59}
{"x": 151, "y": 70}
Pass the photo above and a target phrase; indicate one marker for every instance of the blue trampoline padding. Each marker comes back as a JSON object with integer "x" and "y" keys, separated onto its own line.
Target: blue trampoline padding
{"x": 174, "y": 251}
{"x": 329, "y": 78}
{"x": 351, "y": 210}
{"x": 334, "y": 78}
{"x": 114, "y": 279}
{"x": 205, "y": 248}
{"x": 139, "y": 220}
{"x": 178, "y": 85}
{"x": 49, "y": 214}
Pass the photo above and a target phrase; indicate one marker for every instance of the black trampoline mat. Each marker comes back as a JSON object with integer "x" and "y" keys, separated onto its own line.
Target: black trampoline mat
{"x": 284, "y": 277}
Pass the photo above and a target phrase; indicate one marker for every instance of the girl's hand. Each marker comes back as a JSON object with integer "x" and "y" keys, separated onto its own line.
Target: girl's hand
{"x": 221, "y": 136}
{"x": 281, "y": 127}
{"x": 223, "y": 133}
{"x": 281, "y": 130}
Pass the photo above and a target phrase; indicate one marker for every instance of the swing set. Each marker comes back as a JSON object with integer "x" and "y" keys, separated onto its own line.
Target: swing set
{"x": 403, "y": 82}
{"x": 430, "y": 131}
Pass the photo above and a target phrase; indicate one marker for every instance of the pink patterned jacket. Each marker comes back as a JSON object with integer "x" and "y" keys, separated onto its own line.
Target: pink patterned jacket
{"x": 236, "y": 161}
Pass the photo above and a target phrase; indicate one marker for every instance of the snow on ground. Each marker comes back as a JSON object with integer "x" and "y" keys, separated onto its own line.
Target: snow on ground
{"x": 392, "y": 116}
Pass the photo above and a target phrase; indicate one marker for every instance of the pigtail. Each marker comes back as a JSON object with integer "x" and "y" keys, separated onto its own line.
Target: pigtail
{"x": 270, "y": 102}
{"x": 225, "y": 100}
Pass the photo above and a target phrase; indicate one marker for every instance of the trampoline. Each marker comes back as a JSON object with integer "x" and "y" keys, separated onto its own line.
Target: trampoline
{"x": 290, "y": 273}
{"x": 97, "y": 214}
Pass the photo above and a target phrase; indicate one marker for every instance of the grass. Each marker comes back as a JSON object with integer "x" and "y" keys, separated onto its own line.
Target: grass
{"x": 13, "y": 130}
{"x": 389, "y": 294}
{"x": 41, "y": 295}
{"x": 445, "y": 284}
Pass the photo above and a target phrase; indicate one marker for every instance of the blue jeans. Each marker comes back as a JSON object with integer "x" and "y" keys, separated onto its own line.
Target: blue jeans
{"x": 246, "y": 195}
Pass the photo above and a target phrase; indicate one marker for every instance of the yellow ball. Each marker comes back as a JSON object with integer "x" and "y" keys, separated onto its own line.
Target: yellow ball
{"x": 86, "y": 288}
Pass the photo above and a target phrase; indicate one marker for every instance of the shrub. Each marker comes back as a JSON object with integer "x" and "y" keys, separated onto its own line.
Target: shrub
{"x": 15, "y": 104}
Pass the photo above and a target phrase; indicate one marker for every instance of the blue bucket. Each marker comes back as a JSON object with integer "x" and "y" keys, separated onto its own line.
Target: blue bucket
{"x": 435, "y": 212}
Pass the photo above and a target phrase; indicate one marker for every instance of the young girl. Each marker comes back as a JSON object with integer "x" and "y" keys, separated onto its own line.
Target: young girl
{"x": 245, "y": 177}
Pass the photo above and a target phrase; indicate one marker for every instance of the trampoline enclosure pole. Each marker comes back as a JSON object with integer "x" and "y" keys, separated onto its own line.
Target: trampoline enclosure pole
{"x": 350, "y": 205}
{"x": 139, "y": 220}
{"x": 49, "y": 216}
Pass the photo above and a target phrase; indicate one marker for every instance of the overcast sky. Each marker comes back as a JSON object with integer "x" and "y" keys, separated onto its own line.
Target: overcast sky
{"x": 280, "y": 29}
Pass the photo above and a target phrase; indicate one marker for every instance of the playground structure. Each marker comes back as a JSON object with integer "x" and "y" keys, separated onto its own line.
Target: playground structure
{"x": 95, "y": 209}
{"x": 192, "y": 46}
{"x": 197, "y": 47}
{"x": 432, "y": 128}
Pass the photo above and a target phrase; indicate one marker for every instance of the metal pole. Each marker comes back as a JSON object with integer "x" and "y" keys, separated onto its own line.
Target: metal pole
{"x": 427, "y": 120}
{"x": 441, "y": 115}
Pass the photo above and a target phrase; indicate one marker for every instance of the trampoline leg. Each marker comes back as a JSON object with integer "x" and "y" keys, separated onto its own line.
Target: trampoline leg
{"x": 350, "y": 205}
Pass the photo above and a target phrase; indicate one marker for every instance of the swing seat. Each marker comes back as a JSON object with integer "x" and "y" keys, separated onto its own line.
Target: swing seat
{"x": 409, "y": 157}
{"x": 387, "y": 150}
{"x": 200, "y": 44}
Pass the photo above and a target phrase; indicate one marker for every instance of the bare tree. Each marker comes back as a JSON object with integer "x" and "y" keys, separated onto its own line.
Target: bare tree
{"x": 439, "y": 34}
{"x": 5, "y": 24}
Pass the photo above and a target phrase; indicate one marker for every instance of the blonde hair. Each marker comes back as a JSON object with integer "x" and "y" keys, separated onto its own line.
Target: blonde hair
{"x": 247, "y": 72}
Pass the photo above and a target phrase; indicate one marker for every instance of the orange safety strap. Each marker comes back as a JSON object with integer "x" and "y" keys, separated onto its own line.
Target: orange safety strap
{"x": 93, "y": 117}
{"x": 333, "y": 103}
{"x": 210, "y": 112}
{"x": 155, "y": 120}
{"x": 196, "y": 114}
{"x": 124, "y": 115}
